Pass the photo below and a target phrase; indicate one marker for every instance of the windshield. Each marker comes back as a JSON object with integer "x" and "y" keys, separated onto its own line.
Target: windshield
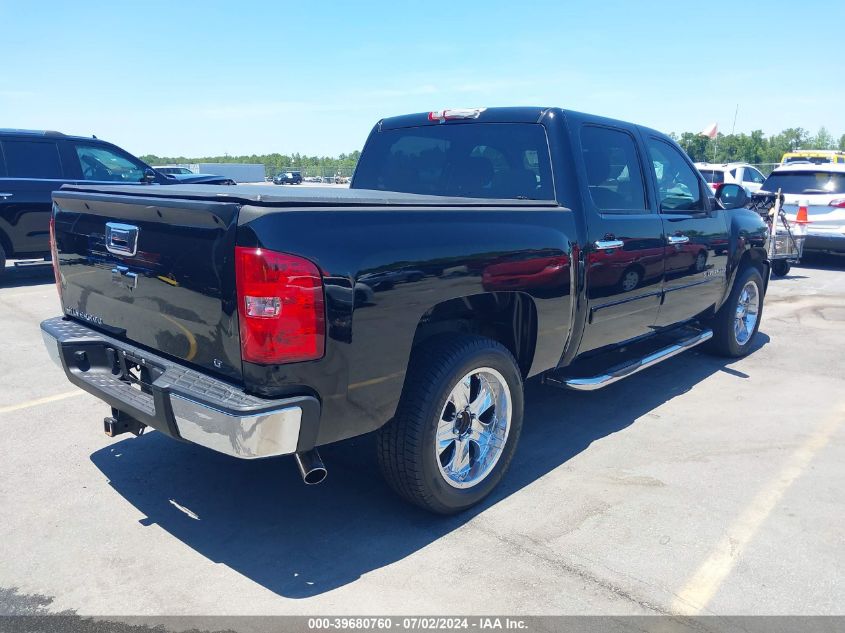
{"x": 805, "y": 182}
{"x": 476, "y": 160}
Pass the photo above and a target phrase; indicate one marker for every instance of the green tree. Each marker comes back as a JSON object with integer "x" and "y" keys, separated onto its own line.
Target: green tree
{"x": 823, "y": 140}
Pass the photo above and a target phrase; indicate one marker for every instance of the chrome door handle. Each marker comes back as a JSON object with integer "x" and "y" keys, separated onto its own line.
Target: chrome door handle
{"x": 677, "y": 239}
{"x": 606, "y": 244}
{"x": 6, "y": 195}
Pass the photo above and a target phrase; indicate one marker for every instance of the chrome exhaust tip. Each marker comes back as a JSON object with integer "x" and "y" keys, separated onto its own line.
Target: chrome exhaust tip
{"x": 311, "y": 467}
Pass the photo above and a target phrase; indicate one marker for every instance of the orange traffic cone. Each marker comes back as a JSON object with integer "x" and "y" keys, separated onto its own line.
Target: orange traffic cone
{"x": 801, "y": 216}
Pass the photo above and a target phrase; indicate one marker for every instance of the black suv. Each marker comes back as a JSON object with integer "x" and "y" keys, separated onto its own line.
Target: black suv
{"x": 33, "y": 164}
{"x": 290, "y": 177}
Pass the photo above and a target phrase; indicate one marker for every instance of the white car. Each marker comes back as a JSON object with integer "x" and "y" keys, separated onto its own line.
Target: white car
{"x": 743, "y": 174}
{"x": 822, "y": 189}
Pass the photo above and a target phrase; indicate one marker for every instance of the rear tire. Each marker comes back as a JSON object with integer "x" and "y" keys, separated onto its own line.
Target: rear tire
{"x": 457, "y": 424}
{"x": 737, "y": 321}
{"x": 2, "y": 262}
{"x": 781, "y": 268}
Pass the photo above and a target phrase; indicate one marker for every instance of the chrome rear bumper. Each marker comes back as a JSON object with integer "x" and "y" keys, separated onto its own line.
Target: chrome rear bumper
{"x": 178, "y": 400}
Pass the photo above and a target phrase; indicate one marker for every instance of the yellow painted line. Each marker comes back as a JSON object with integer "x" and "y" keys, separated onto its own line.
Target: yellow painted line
{"x": 80, "y": 273}
{"x": 703, "y": 585}
{"x": 38, "y": 401}
{"x": 375, "y": 381}
{"x": 192, "y": 341}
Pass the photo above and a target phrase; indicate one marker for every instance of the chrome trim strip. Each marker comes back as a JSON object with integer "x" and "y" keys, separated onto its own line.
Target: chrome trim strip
{"x": 597, "y": 382}
{"x": 265, "y": 434}
{"x": 52, "y": 345}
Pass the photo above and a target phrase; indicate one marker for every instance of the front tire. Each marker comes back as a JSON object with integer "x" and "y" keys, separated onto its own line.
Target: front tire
{"x": 737, "y": 321}
{"x": 457, "y": 424}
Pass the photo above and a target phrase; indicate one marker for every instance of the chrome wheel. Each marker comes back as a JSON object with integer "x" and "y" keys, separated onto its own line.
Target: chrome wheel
{"x": 473, "y": 428}
{"x": 747, "y": 309}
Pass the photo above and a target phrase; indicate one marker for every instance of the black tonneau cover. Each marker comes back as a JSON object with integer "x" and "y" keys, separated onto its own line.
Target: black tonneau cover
{"x": 270, "y": 195}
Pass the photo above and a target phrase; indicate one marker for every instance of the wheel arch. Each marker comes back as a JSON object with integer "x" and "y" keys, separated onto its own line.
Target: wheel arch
{"x": 6, "y": 243}
{"x": 752, "y": 256}
{"x": 507, "y": 317}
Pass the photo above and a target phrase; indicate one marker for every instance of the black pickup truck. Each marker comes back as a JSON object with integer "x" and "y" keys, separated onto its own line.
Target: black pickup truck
{"x": 474, "y": 249}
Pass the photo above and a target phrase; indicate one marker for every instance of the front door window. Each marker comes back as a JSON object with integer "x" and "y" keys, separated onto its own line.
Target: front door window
{"x": 104, "y": 165}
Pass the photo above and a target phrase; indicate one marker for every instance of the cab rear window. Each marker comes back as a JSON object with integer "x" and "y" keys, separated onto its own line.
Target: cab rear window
{"x": 808, "y": 182}
{"x": 475, "y": 160}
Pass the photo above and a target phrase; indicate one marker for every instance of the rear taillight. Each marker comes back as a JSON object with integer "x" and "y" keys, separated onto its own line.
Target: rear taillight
{"x": 717, "y": 185}
{"x": 54, "y": 254}
{"x": 280, "y": 305}
{"x": 839, "y": 204}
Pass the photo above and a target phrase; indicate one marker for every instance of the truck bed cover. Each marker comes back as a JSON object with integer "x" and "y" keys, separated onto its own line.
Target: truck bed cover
{"x": 265, "y": 195}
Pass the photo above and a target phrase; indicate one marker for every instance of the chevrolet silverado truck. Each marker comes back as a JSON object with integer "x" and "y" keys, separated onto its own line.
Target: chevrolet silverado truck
{"x": 474, "y": 249}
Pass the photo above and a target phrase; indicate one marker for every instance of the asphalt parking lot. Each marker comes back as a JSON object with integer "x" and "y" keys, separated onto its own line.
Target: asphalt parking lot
{"x": 699, "y": 486}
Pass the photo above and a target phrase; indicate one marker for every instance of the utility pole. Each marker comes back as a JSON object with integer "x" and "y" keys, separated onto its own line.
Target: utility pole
{"x": 733, "y": 127}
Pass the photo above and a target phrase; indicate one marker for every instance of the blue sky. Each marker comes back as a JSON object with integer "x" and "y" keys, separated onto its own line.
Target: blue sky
{"x": 204, "y": 78}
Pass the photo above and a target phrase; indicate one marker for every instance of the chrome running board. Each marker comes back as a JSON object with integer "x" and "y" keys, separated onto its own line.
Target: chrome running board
{"x": 615, "y": 374}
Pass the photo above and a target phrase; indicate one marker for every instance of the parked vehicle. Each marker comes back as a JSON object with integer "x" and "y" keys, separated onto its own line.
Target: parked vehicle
{"x": 34, "y": 163}
{"x": 821, "y": 189}
{"x": 184, "y": 175}
{"x": 288, "y": 178}
{"x": 815, "y": 156}
{"x": 740, "y": 173}
{"x": 172, "y": 170}
{"x": 244, "y": 321}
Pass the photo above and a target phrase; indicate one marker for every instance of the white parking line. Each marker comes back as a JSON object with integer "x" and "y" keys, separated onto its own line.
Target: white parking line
{"x": 703, "y": 585}
{"x": 38, "y": 401}
{"x": 32, "y": 293}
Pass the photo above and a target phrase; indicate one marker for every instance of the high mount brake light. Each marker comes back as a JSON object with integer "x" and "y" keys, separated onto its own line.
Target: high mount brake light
{"x": 280, "y": 307}
{"x": 449, "y": 115}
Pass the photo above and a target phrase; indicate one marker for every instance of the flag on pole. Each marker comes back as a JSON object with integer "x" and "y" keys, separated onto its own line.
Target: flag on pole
{"x": 710, "y": 131}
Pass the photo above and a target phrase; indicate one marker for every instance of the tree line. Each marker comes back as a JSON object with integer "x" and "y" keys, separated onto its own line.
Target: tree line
{"x": 343, "y": 164}
{"x": 755, "y": 148}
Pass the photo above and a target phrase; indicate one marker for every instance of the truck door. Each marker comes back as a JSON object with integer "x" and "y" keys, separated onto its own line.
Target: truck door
{"x": 696, "y": 236}
{"x": 625, "y": 250}
{"x": 33, "y": 172}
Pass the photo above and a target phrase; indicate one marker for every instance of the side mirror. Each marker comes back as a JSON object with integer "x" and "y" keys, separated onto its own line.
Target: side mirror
{"x": 731, "y": 196}
{"x": 149, "y": 176}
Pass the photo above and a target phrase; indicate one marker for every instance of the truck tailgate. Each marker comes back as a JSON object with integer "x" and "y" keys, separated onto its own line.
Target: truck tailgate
{"x": 154, "y": 271}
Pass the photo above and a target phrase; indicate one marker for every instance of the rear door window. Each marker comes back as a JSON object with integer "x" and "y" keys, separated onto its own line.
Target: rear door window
{"x": 105, "y": 165}
{"x": 614, "y": 171}
{"x": 752, "y": 175}
{"x": 475, "y": 160}
{"x": 32, "y": 159}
